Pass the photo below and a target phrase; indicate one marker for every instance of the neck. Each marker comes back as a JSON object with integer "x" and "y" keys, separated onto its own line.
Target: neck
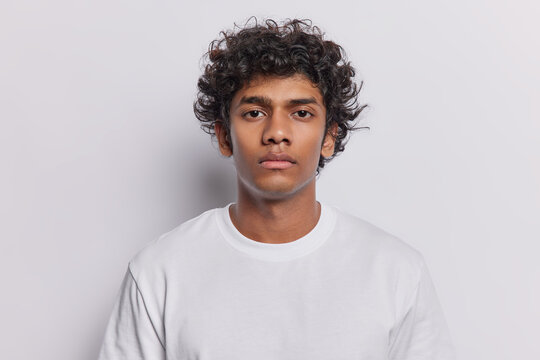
{"x": 276, "y": 220}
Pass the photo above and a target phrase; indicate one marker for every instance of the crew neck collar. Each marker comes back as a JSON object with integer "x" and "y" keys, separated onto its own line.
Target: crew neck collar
{"x": 277, "y": 252}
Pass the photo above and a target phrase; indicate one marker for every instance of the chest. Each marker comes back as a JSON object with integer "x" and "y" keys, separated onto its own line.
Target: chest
{"x": 288, "y": 314}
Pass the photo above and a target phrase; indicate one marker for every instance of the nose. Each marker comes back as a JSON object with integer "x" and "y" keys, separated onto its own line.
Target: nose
{"x": 277, "y": 129}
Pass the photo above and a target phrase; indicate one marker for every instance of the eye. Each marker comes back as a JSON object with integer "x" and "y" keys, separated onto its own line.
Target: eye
{"x": 253, "y": 114}
{"x": 303, "y": 113}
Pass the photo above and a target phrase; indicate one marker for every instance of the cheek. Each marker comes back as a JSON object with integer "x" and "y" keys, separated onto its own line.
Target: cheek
{"x": 242, "y": 142}
{"x": 313, "y": 141}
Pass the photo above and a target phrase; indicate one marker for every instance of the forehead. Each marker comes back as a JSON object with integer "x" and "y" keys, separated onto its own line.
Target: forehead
{"x": 279, "y": 88}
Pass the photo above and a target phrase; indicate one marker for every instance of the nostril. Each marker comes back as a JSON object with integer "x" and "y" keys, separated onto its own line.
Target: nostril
{"x": 276, "y": 141}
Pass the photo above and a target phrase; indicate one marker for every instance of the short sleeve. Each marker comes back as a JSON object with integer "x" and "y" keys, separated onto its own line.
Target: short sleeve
{"x": 130, "y": 333}
{"x": 422, "y": 333}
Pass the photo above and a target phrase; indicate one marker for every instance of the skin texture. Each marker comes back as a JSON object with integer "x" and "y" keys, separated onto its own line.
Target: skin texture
{"x": 277, "y": 116}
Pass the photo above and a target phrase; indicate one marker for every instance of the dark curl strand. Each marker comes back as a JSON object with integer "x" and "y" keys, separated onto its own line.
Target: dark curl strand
{"x": 268, "y": 49}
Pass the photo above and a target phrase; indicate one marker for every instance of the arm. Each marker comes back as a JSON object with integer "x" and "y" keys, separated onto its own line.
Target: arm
{"x": 422, "y": 333}
{"x": 131, "y": 334}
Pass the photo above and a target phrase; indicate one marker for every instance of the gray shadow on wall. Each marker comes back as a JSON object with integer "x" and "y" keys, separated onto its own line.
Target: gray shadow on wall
{"x": 208, "y": 182}
{"x": 217, "y": 179}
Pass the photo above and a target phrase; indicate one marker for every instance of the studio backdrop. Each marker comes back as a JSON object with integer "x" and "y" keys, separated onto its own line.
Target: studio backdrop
{"x": 101, "y": 153}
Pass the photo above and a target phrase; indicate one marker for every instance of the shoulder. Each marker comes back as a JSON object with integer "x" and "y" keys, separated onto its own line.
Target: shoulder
{"x": 177, "y": 246}
{"x": 377, "y": 245}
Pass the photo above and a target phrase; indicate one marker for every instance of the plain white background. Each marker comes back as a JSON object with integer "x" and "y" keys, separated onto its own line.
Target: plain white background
{"x": 101, "y": 153}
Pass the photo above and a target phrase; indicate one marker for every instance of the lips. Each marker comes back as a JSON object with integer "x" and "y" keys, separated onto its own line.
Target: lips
{"x": 277, "y": 161}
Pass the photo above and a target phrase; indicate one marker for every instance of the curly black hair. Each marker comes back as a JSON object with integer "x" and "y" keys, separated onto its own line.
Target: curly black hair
{"x": 269, "y": 49}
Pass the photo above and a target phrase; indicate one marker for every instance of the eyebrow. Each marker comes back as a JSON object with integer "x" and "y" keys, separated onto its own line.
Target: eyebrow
{"x": 263, "y": 100}
{"x": 310, "y": 100}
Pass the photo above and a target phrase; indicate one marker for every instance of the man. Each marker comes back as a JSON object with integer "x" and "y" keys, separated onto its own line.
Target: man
{"x": 277, "y": 274}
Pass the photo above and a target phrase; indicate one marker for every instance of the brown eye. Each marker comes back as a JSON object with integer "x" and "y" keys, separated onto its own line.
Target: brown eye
{"x": 303, "y": 113}
{"x": 253, "y": 114}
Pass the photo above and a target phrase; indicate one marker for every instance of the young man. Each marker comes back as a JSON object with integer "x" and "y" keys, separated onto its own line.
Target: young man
{"x": 277, "y": 274}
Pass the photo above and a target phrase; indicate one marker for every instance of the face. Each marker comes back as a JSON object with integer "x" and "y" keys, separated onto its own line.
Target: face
{"x": 277, "y": 133}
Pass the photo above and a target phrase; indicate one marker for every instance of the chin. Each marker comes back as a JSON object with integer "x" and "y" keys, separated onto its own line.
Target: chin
{"x": 278, "y": 188}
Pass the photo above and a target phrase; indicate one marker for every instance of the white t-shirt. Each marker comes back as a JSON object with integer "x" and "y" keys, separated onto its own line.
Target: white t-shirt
{"x": 346, "y": 290}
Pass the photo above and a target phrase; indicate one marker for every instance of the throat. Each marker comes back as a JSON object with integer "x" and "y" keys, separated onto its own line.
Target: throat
{"x": 275, "y": 222}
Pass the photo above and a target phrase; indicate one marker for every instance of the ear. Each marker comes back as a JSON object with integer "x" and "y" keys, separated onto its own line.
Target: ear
{"x": 222, "y": 138}
{"x": 327, "y": 149}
